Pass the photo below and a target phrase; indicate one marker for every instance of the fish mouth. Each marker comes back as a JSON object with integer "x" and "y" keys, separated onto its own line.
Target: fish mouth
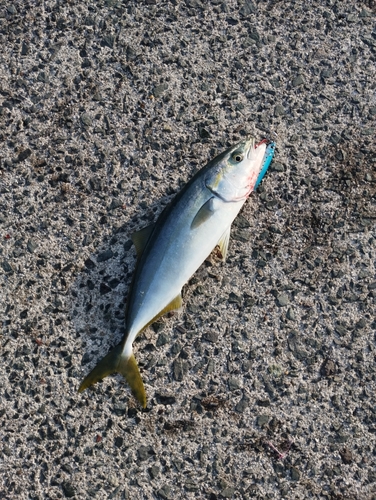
{"x": 263, "y": 141}
{"x": 251, "y": 145}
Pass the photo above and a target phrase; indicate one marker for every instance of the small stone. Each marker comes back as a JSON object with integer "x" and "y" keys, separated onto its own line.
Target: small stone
{"x": 270, "y": 205}
{"x": 180, "y": 369}
{"x": 297, "y": 81}
{"x": 165, "y": 399}
{"x": 295, "y": 474}
{"x": 104, "y": 289}
{"x": 262, "y": 420}
{"x": 291, "y": 314}
{"x": 165, "y": 492}
{"x": 242, "y": 405}
{"x": 335, "y": 138}
{"x": 233, "y": 384}
{"x": 211, "y": 366}
{"x": 24, "y": 154}
{"x": 364, "y": 13}
{"x": 160, "y": 89}
{"x": 31, "y": 246}
{"x": 277, "y": 167}
{"x": 275, "y": 82}
{"x": 241, "y": 222}
{"x": 342, "y": 438}
{"x": 228, "y": 492}
{"x": 234, "y": 299}
{"x": 89, "y": 264}
{"x": 42, "y": 409}
{"x": 191, "y": 485}
{"x": 254, "y": 35}
{"x": 193, "y": 308}
{"x": 131, "y": 53}
{"x": 68, "y": 489}
{"x": 43, "y": 77}
{"x": 176, "y": 348}
{"x": 249, "y": 301}
{"x": 274, "y": 229}
{"x": 120, "y": 409}
{"x": 118, "y": 442}
{"x": 328, "y": 368}
{"x": 241, "y": 235}
{"x": 211, "y": 337}
{"x": 248, "y": 8}
{"x": 333, "y": 300}
{"x": 263, "y": 402}
{"x": 7, "y": 267}
{"x": 232, "y": 21}
{"x": 341, "y": 330}
{"x": 279, "y": 110}
{"x": 115, "y": 203}
{"x": 327, "y": 73}
{"x": 86, "y": 119}
{"x": 371, "y": 476}
{"x": 203, "y": 132}
{"x": 132, "y": 412}
{"x": 362, "y": 323}
{"x": 341, "y": 155}
{"x": 351, "y": 297}
{"x": 144, "y": 452}
{"x": 154, "y": 472}
{"x": 282, "y": 300}
{"x": 106, "y": 255}
{"x": 11, "y": 9}
{"x": 108, "y": 41}
{"x": 162, "y": 339}
{"x": 114, "y": 283}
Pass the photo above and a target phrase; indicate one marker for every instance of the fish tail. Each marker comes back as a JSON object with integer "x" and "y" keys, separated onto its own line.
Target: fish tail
{"x": 116, "y": 362}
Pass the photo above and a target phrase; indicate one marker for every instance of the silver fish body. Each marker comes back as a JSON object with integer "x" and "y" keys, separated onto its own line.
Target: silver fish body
{"x": 171, "y": 250}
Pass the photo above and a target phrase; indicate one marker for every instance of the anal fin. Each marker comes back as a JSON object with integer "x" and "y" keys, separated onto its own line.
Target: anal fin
{"x": 223, "y": 243}
{"x": 175, "y": 304}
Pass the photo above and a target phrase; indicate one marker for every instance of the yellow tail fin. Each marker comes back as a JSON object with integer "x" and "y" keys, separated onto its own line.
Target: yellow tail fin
{"x": 114, "y": 362}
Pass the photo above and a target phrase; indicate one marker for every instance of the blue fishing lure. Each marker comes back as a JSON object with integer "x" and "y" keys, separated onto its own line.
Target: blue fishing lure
{"x": 269, "y": 153}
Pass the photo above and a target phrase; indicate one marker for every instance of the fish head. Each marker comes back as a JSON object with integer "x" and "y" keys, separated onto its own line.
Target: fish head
{"x": 233, "y": 175}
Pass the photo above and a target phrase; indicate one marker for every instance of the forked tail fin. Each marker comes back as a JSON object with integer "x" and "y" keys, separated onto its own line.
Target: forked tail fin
{"x": 115, "y": 362}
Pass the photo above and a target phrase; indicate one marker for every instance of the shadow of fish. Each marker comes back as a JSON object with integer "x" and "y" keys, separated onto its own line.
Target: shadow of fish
{"x": 171, "y": 250}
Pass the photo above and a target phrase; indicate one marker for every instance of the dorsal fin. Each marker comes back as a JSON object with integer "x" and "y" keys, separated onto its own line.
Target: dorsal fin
{"x": 223, "y": 243}
{"x": 140, "y": 238}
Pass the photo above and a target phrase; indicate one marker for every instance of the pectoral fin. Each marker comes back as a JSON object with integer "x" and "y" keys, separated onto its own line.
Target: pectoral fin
{"x": 140, "y": 238}
{"x": 223, "y": 243}
{"x": 205, "y": 212}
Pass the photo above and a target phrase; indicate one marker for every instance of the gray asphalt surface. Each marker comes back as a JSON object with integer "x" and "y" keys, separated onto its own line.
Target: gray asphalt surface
{"x": 264, "y": 385}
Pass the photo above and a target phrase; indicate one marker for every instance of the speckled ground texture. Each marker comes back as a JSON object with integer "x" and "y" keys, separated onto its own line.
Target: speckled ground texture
{"x": 107, "y": 108}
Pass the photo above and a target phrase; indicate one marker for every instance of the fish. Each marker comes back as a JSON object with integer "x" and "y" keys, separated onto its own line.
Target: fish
{"x": 171, "y": 250}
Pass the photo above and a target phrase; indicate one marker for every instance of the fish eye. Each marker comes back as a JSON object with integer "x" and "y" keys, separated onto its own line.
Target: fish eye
{"x": 238, "y": 157}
